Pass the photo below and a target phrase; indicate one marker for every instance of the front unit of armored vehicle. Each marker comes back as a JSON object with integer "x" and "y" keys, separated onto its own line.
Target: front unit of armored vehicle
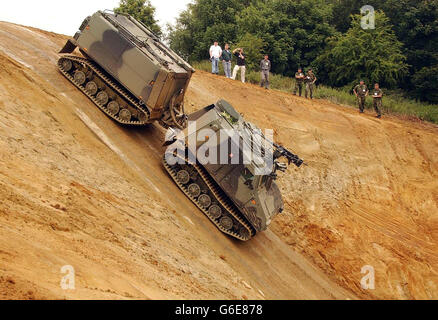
{"x": 127, "y": 71}
{"x": 226, "y": 167}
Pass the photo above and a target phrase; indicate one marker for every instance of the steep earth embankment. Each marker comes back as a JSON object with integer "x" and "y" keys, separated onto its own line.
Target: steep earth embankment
{"x": 77, "y": 189}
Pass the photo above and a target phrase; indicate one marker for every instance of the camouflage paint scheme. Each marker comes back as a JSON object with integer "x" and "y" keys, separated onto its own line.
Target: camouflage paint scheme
{"x": 135, "y": 57}
{"x": 256, "y": 196}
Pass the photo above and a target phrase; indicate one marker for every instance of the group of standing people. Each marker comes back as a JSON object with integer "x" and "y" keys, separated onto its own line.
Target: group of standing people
{"x": 306, "y": 80}
{"x": 225, "y": 55}
{"x": 217, "y": 54}
{"x": 361, "y": 91}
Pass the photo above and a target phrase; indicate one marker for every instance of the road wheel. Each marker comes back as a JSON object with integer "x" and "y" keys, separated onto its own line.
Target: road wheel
{"x": 125, "y": 115}
{"x": 194, "y": 190}
{"x": 80, "y": 77}
{"x": 91, "y": 88}
{"x": 141, "y": 116}
{"x": 67, "y": 65}
{"x": 102, "y": 97}
{"x": 178, "y": 114}
{"x": 113, "y": 107}
{"x": 204, "y": 200}
{"x": 215, "y": 211}
{"x": 226, "y": 222}
{"x": 183, "y": 176}
{"x": 244, "y": 232}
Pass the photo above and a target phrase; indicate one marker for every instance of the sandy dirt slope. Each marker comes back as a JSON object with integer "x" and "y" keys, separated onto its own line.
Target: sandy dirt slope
{"x": 368, "y": 197}
{"x": 77, "y": 189}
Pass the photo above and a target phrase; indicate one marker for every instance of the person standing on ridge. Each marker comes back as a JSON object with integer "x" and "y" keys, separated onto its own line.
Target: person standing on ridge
{"x": 226, "y": 60}
{"x": 361, "y": 92}
{"x": 310, "y": 83}
{"x": 377, "y": 100}
{"x": 299, "y": 80}
{"x": 215, "y": 54}
{"x": 241, "y": 64}
{"x": 265, "y": 68}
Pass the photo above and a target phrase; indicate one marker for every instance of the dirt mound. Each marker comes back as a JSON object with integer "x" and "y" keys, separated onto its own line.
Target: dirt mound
{"x": 79, "y": 190}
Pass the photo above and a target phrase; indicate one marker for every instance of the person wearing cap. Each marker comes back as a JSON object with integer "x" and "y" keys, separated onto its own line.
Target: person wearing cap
{"x": 377, "y": 100}
{"x": 299, "y": 80}
{"x": 361, "y": 91}
{"x": 310, "y": 80}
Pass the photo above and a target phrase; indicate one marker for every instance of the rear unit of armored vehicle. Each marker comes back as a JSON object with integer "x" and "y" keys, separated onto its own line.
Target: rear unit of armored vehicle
{"x": 227, "y": 167}
{"x": 127, "y": 71}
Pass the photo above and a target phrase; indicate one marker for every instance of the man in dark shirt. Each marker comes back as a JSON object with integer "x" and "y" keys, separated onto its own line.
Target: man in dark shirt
{"x": 265, "y": 68}
{"x": 226, "y": 60}
{"x": 241, "y": 64}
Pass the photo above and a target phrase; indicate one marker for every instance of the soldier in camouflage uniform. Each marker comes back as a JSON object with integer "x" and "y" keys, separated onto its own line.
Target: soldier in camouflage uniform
{"x": 377, "y": 99}
{"x": 361, "y": 92}
{"x": 310, "y": 83}
{"x": 299, "y": 80}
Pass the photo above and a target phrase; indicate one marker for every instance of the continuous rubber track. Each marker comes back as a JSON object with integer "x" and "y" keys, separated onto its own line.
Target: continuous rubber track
{"x": 241, "y": 229}
{"x": 123, "y": 94}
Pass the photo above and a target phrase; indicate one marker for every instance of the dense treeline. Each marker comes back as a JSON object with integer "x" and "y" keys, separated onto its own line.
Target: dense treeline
{"x": 415, "y": 23}
{"x": 402, "y": 51}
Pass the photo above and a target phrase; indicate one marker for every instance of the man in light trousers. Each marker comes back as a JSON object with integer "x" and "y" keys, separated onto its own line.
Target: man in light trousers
{"x": 241, "y": 64}
{"x": 226, "y": 60}
{"x": 265, "y": 68}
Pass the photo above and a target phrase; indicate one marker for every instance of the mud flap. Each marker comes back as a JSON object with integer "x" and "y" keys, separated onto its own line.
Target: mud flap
{"x": 69, "y": 47}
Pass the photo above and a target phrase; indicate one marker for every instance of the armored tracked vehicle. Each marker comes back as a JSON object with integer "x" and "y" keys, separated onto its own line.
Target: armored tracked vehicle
{"x": 127, "y": 71}
{"x": 223, "y": 163}
{"x": 228, "y": 168}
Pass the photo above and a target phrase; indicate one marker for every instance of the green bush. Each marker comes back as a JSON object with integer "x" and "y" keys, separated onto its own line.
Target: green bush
{"x": 373, "y": 55}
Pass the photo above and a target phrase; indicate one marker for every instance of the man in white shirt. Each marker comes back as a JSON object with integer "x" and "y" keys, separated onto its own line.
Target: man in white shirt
{"x": 215, "y": 54}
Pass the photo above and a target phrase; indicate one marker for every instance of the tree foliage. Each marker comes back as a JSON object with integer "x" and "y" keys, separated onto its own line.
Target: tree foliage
{"x": 141, "y": 10}
{"x": 374, "y": 55}
{"x": 293, "y": 32}
{"x": 344, "y": 9}
{"x": 415, "y": 23}
{"x": 322, "y": 34}
{"x": 253, "y": 49}
{"x": 426, "y": 83}
{"x": 204, "y": 22}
